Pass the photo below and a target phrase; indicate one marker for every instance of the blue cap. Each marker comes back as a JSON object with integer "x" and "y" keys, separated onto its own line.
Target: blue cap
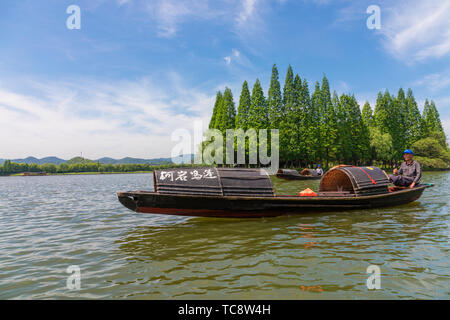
{"x": 408, "y": 151}
{"x": 318, "y": 165}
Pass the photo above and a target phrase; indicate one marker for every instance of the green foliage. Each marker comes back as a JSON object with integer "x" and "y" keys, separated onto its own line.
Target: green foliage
{"x": 78, "y": 160}
{"x": 329, "y": 128}
{"x": 226, "y": 113}
{"x": 292, "y": 122}
{"x": 390, "y": 117}
{"x": 432, "y": 123}
{"x": 288, "y": 91}
{"x": 285, "y": 123}
{"x": 400, "y": 117}
{"x": 217, "y": 106}
{"x": 306, "y": 125}
{"x": 431, "y": 163}
{"x": 414, "y": 124}
{"x": 49, "y": 167}
{"x": 353, "y": 136}
{"x": 297, "y": 123}
{"x": 7, "y": 167}
{"x": 258, "y": 113}
{"x": 244, "y": 107}
{"x": 431, "y": 117}
{"x": 81, "y": 167}
{"x": 440, "y": 137}
{"x": 382, "y": 112}
{"x": 381, "y": 145}
{"x": 431, "y": 148}
{"x": 314, "y": 136}
{"x": 275, "y": 101}
{"x": 397, "y": 123}
{"x": 327, "y": 123}
{"x": 367, "y": 115}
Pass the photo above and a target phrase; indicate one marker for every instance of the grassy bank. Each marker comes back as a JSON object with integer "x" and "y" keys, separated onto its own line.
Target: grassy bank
{"x": 142, "y": 171}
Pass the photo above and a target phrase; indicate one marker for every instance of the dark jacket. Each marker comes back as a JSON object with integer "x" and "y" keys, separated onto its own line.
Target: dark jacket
{"x": 412, "y": 170}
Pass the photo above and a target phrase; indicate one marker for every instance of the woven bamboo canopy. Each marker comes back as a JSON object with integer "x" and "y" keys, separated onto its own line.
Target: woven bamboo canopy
{"x": 355, "y": 180}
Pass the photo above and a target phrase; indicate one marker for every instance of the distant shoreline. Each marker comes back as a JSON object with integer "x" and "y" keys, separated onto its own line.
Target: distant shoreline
{"x": 142, "y": 172}
{"x": 73, "y": 173}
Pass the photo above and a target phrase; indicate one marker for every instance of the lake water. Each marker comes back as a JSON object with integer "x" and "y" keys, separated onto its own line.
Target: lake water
{"x": 49, "y": 223}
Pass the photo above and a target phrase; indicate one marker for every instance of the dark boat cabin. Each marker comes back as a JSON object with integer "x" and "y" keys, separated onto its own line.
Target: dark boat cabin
{"x": 214, "y": 182}
{"x": 354, "y": 181}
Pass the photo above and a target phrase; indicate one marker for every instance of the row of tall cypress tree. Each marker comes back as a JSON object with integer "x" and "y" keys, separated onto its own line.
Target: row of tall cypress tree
{"x": 326, "y": 128}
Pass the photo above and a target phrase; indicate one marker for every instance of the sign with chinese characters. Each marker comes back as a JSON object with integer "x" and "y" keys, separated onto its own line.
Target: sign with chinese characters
{"x": 187, "y": 174}
{"x": 188, "y": 180}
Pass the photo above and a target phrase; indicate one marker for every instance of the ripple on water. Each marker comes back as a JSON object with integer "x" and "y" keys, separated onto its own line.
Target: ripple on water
{"x": 49, "y": 223}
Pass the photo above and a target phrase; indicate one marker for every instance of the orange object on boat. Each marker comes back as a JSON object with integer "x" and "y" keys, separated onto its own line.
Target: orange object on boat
{"x": 307, "y": 193}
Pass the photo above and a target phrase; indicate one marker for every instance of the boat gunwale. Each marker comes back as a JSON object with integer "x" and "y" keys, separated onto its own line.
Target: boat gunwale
{"x": 276, "y": 197}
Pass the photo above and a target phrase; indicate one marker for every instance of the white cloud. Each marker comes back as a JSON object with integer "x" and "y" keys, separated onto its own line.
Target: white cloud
{"x": 122, "y": 2}
{"x": 446, "y": 125}
{"x": 170, "y": 15}
{"x": 235, "y": 54}
{"x": 416, "y": 30}
{"x": 411, "y": 30}
{"x": 246, "y": 11}
{"x": 435, "y": 81}
{"x": 118, "y": 119}
{"x": 342, "y": 86}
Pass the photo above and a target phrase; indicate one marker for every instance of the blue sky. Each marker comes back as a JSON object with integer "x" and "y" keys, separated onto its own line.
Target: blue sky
{"x": 137, "y": 70}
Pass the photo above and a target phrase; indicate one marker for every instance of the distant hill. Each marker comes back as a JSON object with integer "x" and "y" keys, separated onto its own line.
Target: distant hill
{"x": 78, "y": 160}
{"x": 129, "y": 160}
{"x": 30, "y": 160}
{"x": 104, "y": 160}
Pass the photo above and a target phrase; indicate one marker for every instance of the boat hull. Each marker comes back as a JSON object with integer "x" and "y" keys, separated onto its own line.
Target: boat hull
{"x": 254, "y": 207}
{"x": 298, "y": 177}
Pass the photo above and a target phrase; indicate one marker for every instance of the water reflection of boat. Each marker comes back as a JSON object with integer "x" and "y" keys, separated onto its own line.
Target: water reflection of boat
{"x": 226, "y": 192}
{"x": 291, "y": 174}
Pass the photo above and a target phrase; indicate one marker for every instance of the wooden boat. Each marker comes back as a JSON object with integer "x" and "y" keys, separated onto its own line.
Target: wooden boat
{"x": 246, "y": 193}
{"x": 290, "y": 174}
{"x": 32, "y": 174}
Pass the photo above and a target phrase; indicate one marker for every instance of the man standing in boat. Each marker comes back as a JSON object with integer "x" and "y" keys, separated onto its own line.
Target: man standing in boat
{"x": 409, "y": 173}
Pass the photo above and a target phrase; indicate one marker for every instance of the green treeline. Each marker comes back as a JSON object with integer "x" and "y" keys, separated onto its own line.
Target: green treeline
{"x": 11, "y": 168}
{"x": 321, "y": 127}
